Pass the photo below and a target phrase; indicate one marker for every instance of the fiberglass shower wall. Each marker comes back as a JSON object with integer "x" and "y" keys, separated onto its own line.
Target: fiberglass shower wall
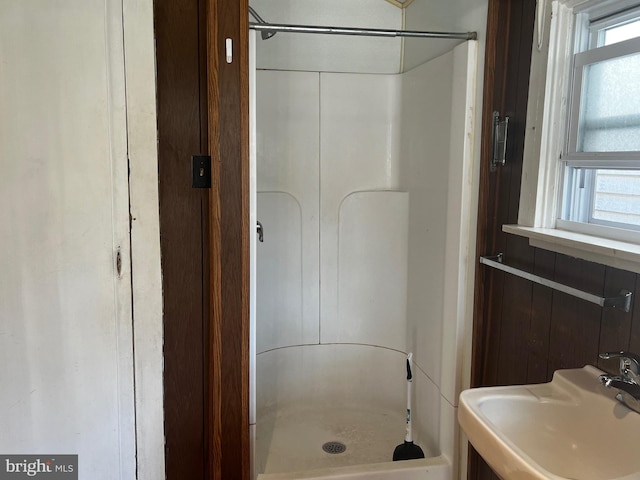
{"x": 364, "y": 194}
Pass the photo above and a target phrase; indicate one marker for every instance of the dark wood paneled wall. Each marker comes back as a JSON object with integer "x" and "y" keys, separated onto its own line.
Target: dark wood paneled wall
{"x": 523, "y": 332}
{"x": 182, "y": 132}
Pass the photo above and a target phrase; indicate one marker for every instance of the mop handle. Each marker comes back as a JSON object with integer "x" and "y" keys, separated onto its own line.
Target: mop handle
{"x": 409, "y": 436}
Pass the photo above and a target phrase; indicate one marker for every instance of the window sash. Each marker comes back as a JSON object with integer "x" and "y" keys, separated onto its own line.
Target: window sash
{"x": 577, "y": 204}
{"x": 580, "y": 61}
{"x": 598, "y": 26}
{"x": 581, "y": 192}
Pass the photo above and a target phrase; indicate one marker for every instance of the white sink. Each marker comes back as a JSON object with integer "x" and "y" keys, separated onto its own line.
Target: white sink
{"x": 572, "y": 427}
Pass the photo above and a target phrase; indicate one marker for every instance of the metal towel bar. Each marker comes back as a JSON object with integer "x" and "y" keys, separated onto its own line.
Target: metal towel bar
{"x": 621, "y": 302}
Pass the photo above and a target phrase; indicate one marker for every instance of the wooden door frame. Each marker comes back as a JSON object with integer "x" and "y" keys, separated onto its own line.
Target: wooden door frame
{"x": 227, "y": 440}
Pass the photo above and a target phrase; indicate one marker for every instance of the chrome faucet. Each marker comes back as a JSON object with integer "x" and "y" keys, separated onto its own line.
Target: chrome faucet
{"x": 628, "y": 382}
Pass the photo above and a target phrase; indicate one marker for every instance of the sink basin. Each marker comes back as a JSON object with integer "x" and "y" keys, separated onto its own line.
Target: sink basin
{"x": 572, "y": 427}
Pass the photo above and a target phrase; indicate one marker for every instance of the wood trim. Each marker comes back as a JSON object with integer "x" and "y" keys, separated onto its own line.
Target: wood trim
{"x": 213, "y": 440}
{"x": 228, "y": 368}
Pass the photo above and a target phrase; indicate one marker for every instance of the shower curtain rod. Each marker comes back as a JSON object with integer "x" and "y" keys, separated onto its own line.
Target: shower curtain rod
{"x": 371, "y": 32}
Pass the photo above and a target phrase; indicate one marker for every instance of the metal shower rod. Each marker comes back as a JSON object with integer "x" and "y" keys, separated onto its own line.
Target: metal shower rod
{"x": 371, "y": 32}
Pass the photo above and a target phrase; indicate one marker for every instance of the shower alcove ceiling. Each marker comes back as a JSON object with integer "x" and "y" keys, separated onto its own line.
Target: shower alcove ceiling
{"x": 364, "y": 152}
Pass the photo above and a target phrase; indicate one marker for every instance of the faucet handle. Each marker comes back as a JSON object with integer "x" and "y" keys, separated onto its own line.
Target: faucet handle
{"x": 629, "y": 362}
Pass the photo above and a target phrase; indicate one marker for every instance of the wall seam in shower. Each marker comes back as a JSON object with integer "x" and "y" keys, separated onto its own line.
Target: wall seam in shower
{"x": 402, "y": 40}
{"x": 284, "y": 347}
{"x": 319, "y": 208}
{"x": 335, "y": 343}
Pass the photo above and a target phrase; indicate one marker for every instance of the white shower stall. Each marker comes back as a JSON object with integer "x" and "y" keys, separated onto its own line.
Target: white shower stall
{"x": 364, "y": 187}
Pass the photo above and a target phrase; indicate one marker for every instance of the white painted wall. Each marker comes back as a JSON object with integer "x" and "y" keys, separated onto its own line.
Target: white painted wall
{"x": 66, "y": 329}
{"x": 140, "y": 75}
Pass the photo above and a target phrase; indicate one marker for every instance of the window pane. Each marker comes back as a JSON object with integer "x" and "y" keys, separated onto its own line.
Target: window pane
{"x": 620, "y": 33}
{"x": 610, "y": 111}
{"x": 602, "y": 196}
{"x": 617, "y": 196}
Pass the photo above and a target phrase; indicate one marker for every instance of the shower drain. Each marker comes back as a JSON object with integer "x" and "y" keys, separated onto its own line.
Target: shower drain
{"x": 334, "y": 447}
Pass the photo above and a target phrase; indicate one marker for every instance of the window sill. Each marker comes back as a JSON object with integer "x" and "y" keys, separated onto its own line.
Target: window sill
{"x": 615, "y": 253}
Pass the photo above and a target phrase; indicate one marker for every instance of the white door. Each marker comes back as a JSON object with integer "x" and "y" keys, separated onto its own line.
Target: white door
{"x": 66, "y": 369}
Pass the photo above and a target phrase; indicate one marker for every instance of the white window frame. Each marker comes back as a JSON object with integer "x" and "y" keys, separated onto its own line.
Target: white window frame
{"x": 545, "y": 135}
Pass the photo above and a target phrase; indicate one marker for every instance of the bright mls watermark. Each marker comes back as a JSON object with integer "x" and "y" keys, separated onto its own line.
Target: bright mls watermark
{"x": 49, "y": 467}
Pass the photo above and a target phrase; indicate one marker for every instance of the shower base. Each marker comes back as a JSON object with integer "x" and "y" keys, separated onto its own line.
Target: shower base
{"x": 291, "y": 440}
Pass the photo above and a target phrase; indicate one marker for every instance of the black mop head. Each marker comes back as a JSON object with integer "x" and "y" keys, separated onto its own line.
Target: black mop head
{"x": 407, "y": 451}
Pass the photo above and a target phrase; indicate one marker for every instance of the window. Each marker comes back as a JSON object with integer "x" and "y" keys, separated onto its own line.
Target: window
{"x": 580, "y": 191}
{"x": 600, "y": 161}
